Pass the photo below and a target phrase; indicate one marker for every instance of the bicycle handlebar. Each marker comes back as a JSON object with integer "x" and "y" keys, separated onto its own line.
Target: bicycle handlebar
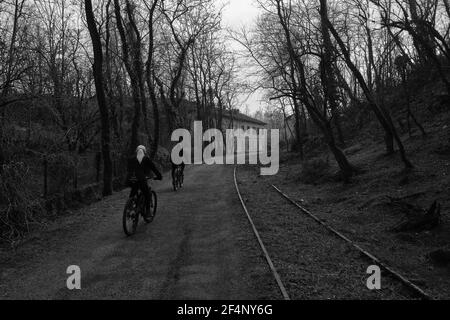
{"x": 134, "y": 180}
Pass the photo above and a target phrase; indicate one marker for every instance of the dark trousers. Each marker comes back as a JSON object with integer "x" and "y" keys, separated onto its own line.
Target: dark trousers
{"x": 143, "y": 186}
{"x": 174, "y": 167}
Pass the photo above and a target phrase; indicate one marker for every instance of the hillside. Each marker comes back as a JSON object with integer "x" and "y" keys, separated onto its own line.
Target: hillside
{"x": 384, "y": 197}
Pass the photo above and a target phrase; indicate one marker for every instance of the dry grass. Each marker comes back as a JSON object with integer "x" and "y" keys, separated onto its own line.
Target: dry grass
{"x": 363, "y": 211}
{"x": 312, "y": 262}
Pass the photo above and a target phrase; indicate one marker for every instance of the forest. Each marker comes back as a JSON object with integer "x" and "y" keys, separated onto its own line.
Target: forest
{"x": 82, "y": 83}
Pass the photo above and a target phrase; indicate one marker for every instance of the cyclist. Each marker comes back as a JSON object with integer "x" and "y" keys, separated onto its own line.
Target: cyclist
{"x": 140, "y": 168}
{"x": 174, "y": 166}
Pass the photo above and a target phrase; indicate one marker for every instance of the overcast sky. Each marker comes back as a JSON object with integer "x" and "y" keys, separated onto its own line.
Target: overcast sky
{"x": 238, "y": 13}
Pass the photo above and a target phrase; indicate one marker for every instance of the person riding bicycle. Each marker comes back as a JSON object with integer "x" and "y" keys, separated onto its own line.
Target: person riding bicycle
{"x": 140, "y": 168}
{"x": 182, "y": 166}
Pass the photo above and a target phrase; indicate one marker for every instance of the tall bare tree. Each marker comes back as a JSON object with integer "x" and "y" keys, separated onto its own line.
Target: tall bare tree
{"x": 101, "y": 98}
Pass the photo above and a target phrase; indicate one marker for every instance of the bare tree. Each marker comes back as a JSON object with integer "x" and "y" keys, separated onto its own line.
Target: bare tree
{"x": 306, "y": 97}
{"x": 186, "y": 22}
{"x": 101, "y": 98}
{"x": 382, "y": 115}
{"x": 150, "y": 75}
{"x": 133, "y": 71}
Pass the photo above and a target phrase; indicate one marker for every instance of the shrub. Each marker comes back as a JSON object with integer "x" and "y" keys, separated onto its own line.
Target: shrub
{"x": 314, "y": 145}
{"x": 314, "y": 170}
{"x": 61, "y": 168}
{"x": 18, "y": 204}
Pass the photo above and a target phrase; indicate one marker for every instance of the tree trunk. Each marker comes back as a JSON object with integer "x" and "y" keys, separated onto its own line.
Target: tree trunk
{"x": 320, "y": 120}
{"x": 423, "y": 40}
{"x": 329, "y": 81}
{"x": 447, "y": 7}
{"x": 346, "y": 168}
{"x": 2, "y": 156}
{"x": 109, "y": 86}
{"x": 151, "y": 84}
{"x": 101, "y": 98}
{"x": 410, "y": 114}
{"x": 298, "y": 133}
{"x": 220, "y": 113}
{"x": 133, "y": 79}
{"x": 139, "y": 71}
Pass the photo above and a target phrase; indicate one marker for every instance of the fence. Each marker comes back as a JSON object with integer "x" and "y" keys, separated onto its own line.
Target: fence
{"x": 51, "y": 183}
{"x": 65, "y": 172}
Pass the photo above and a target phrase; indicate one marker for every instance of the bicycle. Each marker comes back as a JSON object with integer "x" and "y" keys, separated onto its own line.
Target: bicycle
{"x": 178, "y": 179}
{"x": 135, "y": 207}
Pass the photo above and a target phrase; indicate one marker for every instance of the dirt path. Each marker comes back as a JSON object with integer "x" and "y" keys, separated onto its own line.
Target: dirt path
{"x": 199, "y": 247}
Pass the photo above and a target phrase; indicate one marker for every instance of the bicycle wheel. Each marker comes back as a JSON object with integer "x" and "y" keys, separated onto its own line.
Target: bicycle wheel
{"x": 180, "y": 180}
{"x": 175, "y": 181}
{"x": 130, "y": 217}
{"x": 153, "y": 206}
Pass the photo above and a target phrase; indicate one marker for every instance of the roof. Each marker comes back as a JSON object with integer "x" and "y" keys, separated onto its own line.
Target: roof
{"x": 242, "y": 117}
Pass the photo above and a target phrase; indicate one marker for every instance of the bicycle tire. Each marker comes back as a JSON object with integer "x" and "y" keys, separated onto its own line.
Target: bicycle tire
{"x": 153, "y": 208}
{"x": 175, "y": 181}
{"x": 129, "y": 231}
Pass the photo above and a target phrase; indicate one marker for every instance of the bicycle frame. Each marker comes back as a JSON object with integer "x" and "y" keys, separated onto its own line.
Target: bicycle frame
{"x": 138, "y": 203}
{"x": 139, "y": 192}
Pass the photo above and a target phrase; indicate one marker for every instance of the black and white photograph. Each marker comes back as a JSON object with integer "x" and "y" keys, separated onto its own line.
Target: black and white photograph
{"x": 225, "y": 155}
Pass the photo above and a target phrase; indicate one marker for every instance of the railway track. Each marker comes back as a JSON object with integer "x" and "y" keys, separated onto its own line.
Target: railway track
{"x": 395, "y": 274}
{"x": 261, "y": 244}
